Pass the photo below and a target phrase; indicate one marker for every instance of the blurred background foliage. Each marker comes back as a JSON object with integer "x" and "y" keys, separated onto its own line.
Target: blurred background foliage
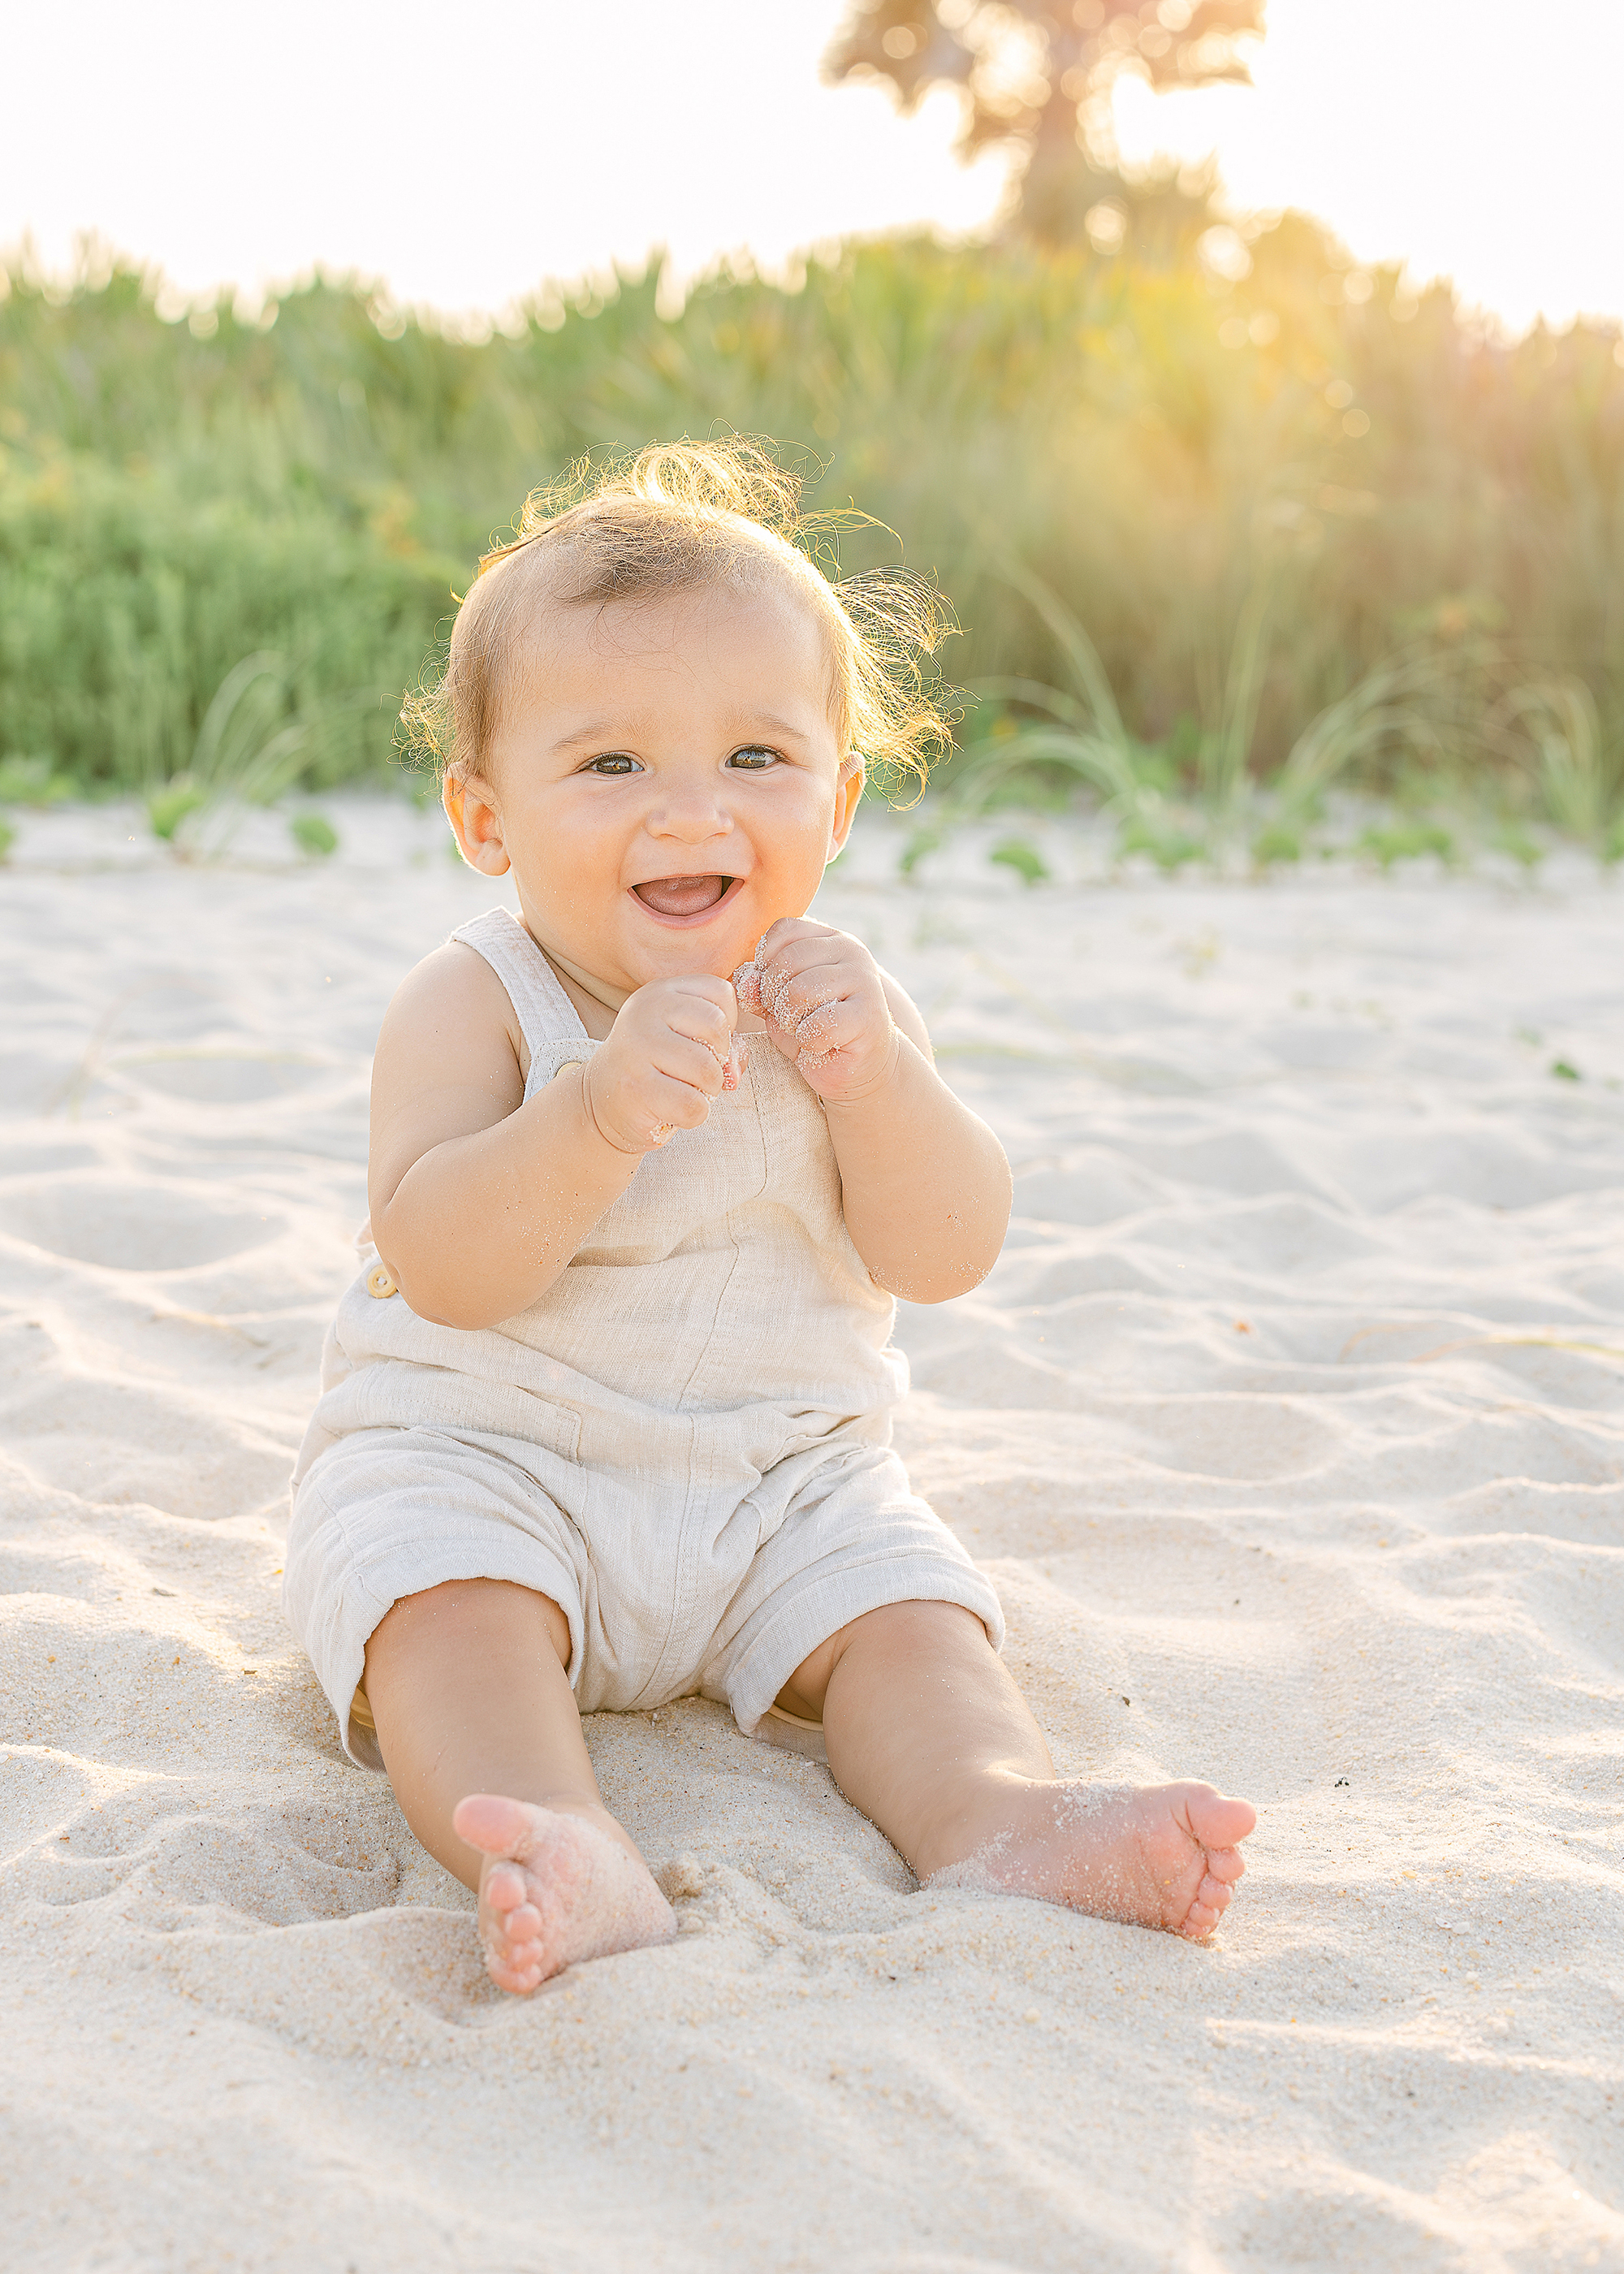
{"x": 1221, "y": 471}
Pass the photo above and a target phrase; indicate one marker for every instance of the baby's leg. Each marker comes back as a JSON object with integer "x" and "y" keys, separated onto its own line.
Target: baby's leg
{"x": 478, "y": 1730}
{"x": 928, "y": 1735}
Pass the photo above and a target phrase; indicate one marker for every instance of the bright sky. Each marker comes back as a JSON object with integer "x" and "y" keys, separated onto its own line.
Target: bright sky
{"x": 465, "y": 154}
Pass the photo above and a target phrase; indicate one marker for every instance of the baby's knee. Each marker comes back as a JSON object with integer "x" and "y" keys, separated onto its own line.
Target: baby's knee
{"x": 469, "y": 1614}
{"x": 912, "y": 1629}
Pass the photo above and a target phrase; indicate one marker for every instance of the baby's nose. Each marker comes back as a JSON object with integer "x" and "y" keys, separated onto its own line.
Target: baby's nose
{"x": 692, "y": 816}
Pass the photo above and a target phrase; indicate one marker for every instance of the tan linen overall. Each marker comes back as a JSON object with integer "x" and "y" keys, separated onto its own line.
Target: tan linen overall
{"x": 685, "y": 1442}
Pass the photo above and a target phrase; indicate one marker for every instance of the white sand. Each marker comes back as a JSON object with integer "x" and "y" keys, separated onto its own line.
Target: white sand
{"x": 1277, "y": 1426}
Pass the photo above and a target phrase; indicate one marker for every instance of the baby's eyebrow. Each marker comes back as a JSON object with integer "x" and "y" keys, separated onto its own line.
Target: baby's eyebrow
{"x": 774, "y": 725}
{"x": 596, "y": 730}
{"x": 602, "y": 732}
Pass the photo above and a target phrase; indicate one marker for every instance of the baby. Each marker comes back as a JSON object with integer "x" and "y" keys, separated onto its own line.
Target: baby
{"x": 608, "y": 1421}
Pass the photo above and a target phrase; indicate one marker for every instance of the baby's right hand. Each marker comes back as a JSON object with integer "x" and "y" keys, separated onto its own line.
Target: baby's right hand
{"x": 671, "y": 1050}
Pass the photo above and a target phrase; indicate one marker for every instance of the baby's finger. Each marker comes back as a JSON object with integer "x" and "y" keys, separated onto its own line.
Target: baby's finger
{"x": 798, "y": 951}
{"x": 703, "y": 1068}
{"x": 746, "y": 986}
{"x": 788, "y": 995}
{"x": 700, "y": 987}
{"x": 828, "y": 1027}
{"x": 670, "y": 1101}
{"x": 703, "y": 1021}
{"x": 642, "y": 1112}
{"x": 847, "y": 1031}
{"x": 825, "y": 1033}
{"x": 822, "y": 989}
{"x": 787, "y": 931}
{"x": 812, "y": 971}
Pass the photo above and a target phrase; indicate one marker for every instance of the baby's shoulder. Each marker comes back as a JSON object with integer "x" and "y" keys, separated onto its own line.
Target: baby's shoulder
{"x": 453, "y": 977}
{"x": 453, "y": 1001}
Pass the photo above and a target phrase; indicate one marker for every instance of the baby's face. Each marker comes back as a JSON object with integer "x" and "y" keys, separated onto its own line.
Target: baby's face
{"x": 666, "y": 782}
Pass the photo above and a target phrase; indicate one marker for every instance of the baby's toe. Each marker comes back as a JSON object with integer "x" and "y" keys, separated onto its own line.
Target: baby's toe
{"x": 500, "y": 1944}
{"x": 1212, "y": 1900}
{"x": 504, "y": 1887}
{"x": 512, "y": 1974}
{"x": 1225, "y": 1864}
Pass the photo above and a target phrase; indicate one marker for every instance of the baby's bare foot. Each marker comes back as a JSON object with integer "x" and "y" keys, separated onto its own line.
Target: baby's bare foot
{"x": 1162, "y": 1855}
{"x": 555, "y": 1889}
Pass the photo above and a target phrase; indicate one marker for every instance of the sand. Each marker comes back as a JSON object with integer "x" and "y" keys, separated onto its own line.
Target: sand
{"x": 1289, "y": 1424}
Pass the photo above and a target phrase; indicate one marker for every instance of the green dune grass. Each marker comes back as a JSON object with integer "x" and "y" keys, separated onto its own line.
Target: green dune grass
{"x": 1204, "y": 538}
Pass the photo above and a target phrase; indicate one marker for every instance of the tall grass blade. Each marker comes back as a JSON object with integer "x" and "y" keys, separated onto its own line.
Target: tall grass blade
{"x": 1224, "y": 757}
{"x": 1088, "y": 673}
{"x": 1560, "y": 718}
{"x": 1400, "y": 704}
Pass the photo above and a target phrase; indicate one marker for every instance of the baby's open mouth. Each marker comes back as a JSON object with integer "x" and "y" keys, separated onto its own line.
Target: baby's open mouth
{"x": 682, "y": 896}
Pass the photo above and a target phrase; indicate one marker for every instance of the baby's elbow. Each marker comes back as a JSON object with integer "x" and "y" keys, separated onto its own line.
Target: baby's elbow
{"x": 943, "y": 1284}
{"x": 442, "y": 1293}
{"x": 429, "y": 1297}
{"x": 427, "y": 1302}
{"x": 442, "y": 1311}
{"x": 964, "y": 1281}
{"x": 445, "y": 1315}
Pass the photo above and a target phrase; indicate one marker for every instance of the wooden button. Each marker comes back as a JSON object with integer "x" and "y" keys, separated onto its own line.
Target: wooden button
{"x": 379, "y": 1283}
{"x": 570, "y": 1066}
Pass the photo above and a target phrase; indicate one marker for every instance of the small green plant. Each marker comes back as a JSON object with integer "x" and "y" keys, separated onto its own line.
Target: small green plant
{"x": 246, "y": 745}
{"x": 247, "y": 750}
{"x": 30, "y": 782}
{"x": 1514, "y": 840}
{"x": 1563, "y": 1072}
{"x": 1169, "y": 846}
{"x": 174, "y": 802}
{"x": 8, "y": 838}
{"x": 314, "y": 834}
{"x": 1407, "y": 840}
{"x": 1027, "y": 862}
{"x": 1275, "y": 842}
{"x": 1078, "y": 734}
{"x": 1403, "y": 705}
{"x": 921, "y": 842}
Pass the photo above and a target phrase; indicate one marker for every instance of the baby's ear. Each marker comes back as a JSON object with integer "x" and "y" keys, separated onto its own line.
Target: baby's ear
{"x": 848, "y": 797}
{"x": 471, "y": 808}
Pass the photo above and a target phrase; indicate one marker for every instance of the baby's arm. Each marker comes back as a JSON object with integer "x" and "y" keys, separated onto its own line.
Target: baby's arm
{"x": 479, "y": 1200}
{"x": 927, "y": 1187}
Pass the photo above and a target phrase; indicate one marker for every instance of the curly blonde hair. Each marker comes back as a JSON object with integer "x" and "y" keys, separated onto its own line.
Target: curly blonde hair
{"x": 677, "y": 517}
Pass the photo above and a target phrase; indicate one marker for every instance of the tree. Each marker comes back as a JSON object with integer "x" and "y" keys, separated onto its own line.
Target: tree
{"x": 1038, "y": 75}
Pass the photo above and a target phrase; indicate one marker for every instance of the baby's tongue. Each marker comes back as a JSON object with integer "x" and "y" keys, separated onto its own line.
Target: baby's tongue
{"x": 682, "y": 896}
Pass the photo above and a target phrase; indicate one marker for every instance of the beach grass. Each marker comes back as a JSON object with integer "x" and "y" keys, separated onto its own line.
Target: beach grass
{"x": 1213, "y": 545}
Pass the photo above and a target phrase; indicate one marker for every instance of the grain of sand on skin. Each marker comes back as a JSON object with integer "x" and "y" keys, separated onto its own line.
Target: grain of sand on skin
{"x": 1285, "y": 1424}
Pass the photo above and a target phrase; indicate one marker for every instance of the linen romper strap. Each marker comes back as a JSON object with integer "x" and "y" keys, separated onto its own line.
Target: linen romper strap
{"x": 552, "y": 1027}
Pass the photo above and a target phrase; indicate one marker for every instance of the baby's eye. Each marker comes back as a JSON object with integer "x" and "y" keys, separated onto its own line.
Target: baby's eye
{"x": 753, "y": 758}
{"x": 612, "y": 763}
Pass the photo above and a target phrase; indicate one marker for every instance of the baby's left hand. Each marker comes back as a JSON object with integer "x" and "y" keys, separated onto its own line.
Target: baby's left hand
{"x": 824, "y": 998}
